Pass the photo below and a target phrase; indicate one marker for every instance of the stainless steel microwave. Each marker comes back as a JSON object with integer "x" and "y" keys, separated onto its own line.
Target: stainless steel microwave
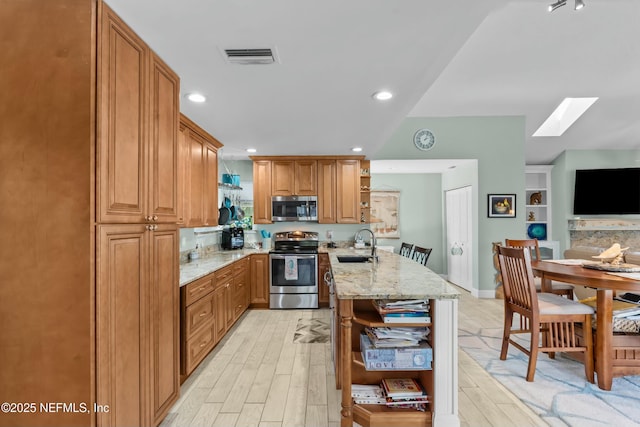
{"x": 294, "y": 208}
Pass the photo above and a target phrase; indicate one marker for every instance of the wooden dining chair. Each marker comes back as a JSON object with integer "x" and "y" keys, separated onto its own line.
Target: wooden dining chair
{"x": 562, "y": 289}
{"x": 405, "y": 249}
{"x": 421, "y": 255}
{"x": 545, "y": 315}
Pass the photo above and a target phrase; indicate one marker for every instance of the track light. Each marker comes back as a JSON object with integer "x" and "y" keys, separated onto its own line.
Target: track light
{"x": 579, "y": 5}
{"x": 554, "y": 6}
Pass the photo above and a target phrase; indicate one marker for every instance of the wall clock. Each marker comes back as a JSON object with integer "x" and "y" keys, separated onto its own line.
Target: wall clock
{"x": 424, "y": 139}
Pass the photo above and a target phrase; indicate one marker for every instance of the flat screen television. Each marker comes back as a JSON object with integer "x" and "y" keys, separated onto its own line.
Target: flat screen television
{"x": 607, "y": 191}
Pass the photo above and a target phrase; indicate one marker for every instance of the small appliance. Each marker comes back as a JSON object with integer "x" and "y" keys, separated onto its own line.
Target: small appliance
{"x": 232, "y": 238}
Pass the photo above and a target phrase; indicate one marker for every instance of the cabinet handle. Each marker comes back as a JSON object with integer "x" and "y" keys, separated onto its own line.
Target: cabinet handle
{"x": 155, "y": 217}
{"x": 201, "y": 288}
{"x": 203, "y": 314}
{"x": 148, "y": 218}
{"x": 203, "y": 344}
{"x": 148, "y": 227}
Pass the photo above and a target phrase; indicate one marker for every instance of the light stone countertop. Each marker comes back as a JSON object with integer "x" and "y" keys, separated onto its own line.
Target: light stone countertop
{"x": 392, "y": 277}
{"x": 194, "y": 270}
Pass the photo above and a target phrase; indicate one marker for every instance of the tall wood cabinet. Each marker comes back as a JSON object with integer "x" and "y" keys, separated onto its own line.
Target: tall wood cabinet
{"x": 327, "y": 189}
{"x": 89, "y": 178}
{"x": 348, "y": 191}
{"x": 262, "y": 192}
{"x": 137, "y": 304}
{"x": 199, "y": 168}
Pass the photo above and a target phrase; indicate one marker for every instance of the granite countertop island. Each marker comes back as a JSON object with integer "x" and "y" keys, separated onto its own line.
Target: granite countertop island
{"x": 399, "y": 278}
{"x": 392, "y": 277}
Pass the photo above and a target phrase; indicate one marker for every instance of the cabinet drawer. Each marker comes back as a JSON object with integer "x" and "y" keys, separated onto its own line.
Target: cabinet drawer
{"x": 199, "y": 346}
{"x": 240, "y": 266}
{"x": 198, "y": 313}
{"x": 224, "y": 275}
{"x": 196, "y": 290}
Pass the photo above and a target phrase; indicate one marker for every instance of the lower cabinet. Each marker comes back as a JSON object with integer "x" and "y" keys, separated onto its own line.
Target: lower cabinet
{"x": 137, "y": 325}
{"x": 259, "y": 295}
{"x": 209, "y": 306}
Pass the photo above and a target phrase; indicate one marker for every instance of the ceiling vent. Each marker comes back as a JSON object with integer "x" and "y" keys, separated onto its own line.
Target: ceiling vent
{"x": 250, "y": 56}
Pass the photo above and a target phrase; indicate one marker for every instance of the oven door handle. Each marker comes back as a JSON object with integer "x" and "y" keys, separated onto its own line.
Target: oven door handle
{"x": 278, "y": 256}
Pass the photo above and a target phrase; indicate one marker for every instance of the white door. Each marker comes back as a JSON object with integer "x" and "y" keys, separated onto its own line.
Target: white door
{"x": 459, "y": 236}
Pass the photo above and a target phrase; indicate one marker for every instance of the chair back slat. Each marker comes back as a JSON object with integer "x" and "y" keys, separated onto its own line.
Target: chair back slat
{"x": 531, "y": 244}
{"x": 517, "y": 278}
{"x": 421, "y": 255}
{"x": 405, "y": 249}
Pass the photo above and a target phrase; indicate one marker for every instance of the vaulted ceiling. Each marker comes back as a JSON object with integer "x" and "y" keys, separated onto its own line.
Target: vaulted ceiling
{"x": 440, "y": 59}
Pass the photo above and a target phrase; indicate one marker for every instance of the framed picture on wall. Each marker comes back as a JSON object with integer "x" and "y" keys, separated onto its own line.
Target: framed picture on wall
{"x": 502, "y": 205}
{"x": 384, "y": 214}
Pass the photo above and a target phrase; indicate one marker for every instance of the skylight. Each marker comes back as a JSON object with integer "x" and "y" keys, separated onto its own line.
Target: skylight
{"x": 569, "y": 110}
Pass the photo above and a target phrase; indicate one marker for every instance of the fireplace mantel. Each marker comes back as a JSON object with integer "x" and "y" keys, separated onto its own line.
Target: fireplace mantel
{"x": 604, "y": 224}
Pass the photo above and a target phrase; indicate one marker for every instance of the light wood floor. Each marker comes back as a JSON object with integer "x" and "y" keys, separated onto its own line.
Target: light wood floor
{"x": 257, "y": 376}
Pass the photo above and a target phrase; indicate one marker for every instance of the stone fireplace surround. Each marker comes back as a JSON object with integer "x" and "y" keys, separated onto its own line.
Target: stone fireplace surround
{"x": 604, "y": 232}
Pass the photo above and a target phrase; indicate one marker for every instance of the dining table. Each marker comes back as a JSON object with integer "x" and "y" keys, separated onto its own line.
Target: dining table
{"x": 607, "y": 285}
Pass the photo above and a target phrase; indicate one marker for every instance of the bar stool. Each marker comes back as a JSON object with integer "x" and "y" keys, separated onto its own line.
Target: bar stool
{"x": 421, "y": 255}
{"x": 405, "y": 249}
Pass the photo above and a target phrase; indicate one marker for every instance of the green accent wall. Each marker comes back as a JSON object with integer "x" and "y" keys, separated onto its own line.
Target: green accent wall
{"x": 497, "y": 143}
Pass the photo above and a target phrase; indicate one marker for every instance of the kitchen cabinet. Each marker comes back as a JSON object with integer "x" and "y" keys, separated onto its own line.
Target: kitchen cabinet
{"x": 137, "y": 325}
{"x": 348, "y": 191}
{"x": 198, "y": 332}
{"x": 200, "y": 169}
{"x": 262, "y": 192}
{"x": 259, "y": 281}
{"x": 324, "y": 266}
{"x": 365, "y": 192}
{"x": 293, "y": 177}
{"x": 241, "y": 276}
{"x": 138, "y": 108}
{"x": 137, "y": 300}
{"x": 327, "y": 191}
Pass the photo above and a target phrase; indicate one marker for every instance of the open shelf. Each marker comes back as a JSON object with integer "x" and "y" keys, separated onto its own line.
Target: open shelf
{"x": 381, "y": 415}
{"x": 372, "y": 319}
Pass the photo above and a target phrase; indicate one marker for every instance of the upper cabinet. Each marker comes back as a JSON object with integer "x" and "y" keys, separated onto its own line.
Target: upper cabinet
{"x": 137, "y": 154}
{"x": 199, "y": 167}
{"x": 335, "y": 180}
{"x": 293, "y": 178}
{"x": 262, "y": 191}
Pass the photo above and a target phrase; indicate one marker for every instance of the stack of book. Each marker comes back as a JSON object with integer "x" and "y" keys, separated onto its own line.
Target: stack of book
{"x": 366, "y": 394}
{"x": 396, "y": 337}
{"x": 393, "y": 393}
{"x": 405, "y": 311}
{"x": 405, "y": 393}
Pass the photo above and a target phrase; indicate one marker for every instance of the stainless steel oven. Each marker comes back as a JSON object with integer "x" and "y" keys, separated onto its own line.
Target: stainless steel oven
{"x": 293, "y": 268}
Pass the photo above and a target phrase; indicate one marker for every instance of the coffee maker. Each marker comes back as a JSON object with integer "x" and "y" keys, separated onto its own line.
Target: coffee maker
{"x": 232, "y": 238}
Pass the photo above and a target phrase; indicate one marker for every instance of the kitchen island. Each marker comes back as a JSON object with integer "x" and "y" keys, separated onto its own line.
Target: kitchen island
{"x": 397, "y": 278}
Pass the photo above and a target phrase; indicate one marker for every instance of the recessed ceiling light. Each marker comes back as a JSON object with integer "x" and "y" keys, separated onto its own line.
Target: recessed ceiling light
{"x": 356, "y": 149}
{"x": 251, "y": 150}
{"x": 196, "y": 97}
{"x": 569, "y": 110}
{"x": 383, "y": 95}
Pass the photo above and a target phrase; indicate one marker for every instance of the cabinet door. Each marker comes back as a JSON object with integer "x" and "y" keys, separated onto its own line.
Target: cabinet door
{"x": 324, "y": 266}
{"x": 348, "y": 191}
{"x": 260, "y": 280}
{"x": 121, "y": 123}
{"x": 183, "y": 174}
{"x": 210, "y": 187}
{"x": 262, "y": 192}
{"x": 195, "y": 187}
{"x": 305, "y": 177}
{"x": 326, "y": 191}
{"x": 282, "y": 178}
{"x": 220, "y": 314}
{"x": 122, "y": 322}
{"x": 163, "y": 142}
{"x": 165, "y": 319}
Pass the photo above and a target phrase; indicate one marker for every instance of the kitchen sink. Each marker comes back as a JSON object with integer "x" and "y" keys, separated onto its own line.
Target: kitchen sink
{"x": 354, "y": 258}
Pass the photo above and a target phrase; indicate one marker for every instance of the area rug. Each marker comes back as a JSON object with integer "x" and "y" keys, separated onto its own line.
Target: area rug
{"x": 310, "y": 331}
{"x": 560, "y": 393}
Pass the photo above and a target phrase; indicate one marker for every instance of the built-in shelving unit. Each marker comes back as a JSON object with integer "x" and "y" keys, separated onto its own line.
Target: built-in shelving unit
{"x": 376, "y": 415}
{"x": 365, "y": 191}
{"x": 538, "y": 201}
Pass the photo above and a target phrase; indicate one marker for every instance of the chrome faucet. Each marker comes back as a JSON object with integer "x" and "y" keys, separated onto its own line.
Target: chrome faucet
{"x": 373, "y": 241}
